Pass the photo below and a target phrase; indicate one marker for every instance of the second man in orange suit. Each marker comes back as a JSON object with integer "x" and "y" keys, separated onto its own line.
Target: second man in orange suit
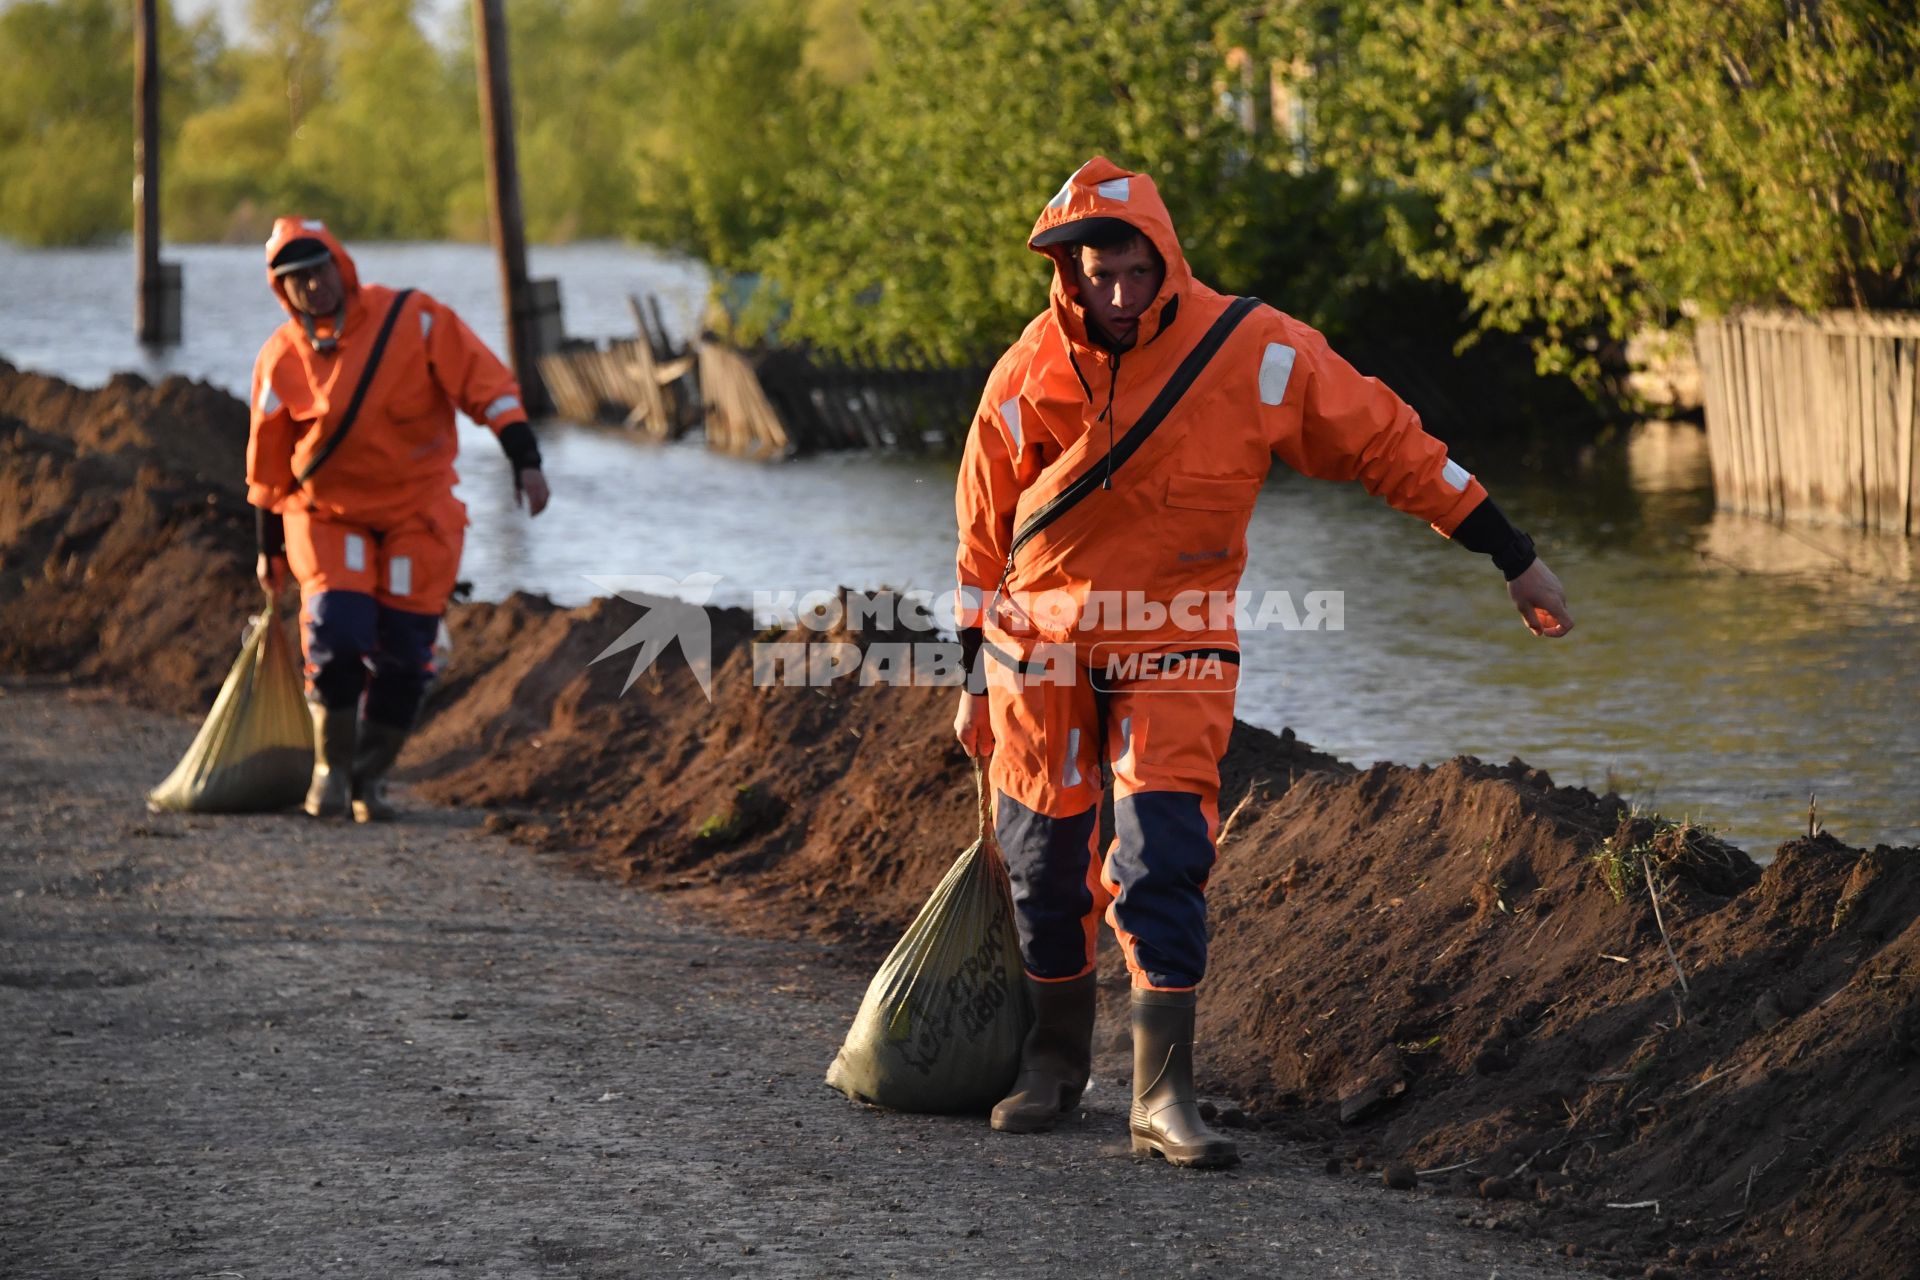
{"x": 1103, "y": 502}
{"x": 350, "y": 467}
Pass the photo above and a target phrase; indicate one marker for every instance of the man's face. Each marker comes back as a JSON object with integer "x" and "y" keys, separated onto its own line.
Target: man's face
{"x": 315, "y": 290}
{"x": 1116, "y": 286}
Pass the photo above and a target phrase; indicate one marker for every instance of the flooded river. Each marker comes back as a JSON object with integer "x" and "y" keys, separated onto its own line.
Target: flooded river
{"x": 1722, "y": 668}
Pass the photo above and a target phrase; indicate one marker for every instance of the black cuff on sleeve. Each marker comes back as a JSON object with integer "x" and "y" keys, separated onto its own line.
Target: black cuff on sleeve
{"x": 971, "y": 639}
{"x": 517, "y": 440}
{"x": 269, "y": 532}
{"x": 1488, "y": 531}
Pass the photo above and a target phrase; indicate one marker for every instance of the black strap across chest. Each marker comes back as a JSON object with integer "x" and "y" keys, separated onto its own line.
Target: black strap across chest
{"x": 359, "y": 392}
{"x": 1129, "y": 444}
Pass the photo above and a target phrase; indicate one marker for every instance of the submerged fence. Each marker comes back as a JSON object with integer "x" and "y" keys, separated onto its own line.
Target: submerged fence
{"x": 1815, "y": 417}
{"x": 763, "y": 403}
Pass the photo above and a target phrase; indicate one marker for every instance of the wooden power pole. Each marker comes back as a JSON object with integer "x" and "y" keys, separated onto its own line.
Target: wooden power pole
{"x": 524, "y": 328}
{"x": 157, "y": 284}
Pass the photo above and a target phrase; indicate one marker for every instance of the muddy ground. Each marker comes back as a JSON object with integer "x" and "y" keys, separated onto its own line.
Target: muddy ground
{"x": 264, "y": 1047}
{"x": 1456, "y": 966}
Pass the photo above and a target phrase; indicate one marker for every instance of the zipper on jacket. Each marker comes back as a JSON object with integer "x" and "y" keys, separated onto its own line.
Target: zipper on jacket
{"x": 1113, "y": 380}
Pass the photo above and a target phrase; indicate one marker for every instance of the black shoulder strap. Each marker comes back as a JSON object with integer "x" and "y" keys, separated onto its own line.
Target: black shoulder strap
{"x": 359, "y": 392}
{"x": 1129, "y": 444}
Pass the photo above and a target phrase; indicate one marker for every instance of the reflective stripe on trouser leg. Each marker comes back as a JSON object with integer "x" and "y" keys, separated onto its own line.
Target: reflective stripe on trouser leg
{"x": 402, "y": 666}
{"x": 338, "y": 631}
{"x": 1057, "y": 898}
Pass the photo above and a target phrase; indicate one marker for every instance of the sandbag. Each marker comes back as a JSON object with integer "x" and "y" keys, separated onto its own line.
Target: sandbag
{"x": 254, "y": 754}
{"x": 942, "y": 1023}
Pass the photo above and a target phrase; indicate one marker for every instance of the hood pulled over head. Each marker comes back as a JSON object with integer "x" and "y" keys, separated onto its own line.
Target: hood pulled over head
{"x": 286, "y": 231}
{"x": 1098, "y": 191}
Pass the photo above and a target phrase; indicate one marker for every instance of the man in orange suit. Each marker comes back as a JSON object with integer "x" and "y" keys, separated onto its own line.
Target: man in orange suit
{"x": 350, "y": 469}
{"x": 1103, "y": 504}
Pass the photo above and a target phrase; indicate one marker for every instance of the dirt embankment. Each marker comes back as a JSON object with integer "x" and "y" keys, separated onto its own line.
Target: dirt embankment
{"x": 1453, "y": 966}
{"x": 124, "y": 534}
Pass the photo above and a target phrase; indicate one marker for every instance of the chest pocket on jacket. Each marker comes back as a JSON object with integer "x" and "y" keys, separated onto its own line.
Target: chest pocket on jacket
{"x": 417, "y": 397}
{"x": 1212, "y": 493}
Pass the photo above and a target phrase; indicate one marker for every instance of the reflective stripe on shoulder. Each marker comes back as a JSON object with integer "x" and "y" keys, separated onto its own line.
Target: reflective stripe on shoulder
{"x": 1010, "y": 414}
{"x": 426, "y": 322}
{"x": 269, "y": 400}
{"x": 1276, "y": 371}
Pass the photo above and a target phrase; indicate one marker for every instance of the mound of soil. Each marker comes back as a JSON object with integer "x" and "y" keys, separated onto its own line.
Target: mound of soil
{"x": 126, "y": 545}
{"x": 1607, "y": 1029}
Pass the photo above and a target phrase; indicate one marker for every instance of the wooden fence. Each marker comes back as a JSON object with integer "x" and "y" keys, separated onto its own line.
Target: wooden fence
{"x": 763, "y": 403}
{"x": 644, "y": 383}
{"x": 1815, "y": 417}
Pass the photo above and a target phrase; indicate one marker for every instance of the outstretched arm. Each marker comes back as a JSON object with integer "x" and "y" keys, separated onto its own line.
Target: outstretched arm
{"x": 1344, "y": 426}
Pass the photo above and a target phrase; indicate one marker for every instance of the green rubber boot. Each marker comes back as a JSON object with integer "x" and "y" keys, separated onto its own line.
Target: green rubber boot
{"x": 1166, "y": 1117}
{"x": 1055, "y": 1060}
{"x": 334, "y": 733}
{"x": 379, "y": 747}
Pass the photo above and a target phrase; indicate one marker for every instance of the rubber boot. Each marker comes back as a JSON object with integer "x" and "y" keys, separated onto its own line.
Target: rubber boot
{"x": 379, "y": 747}
{"x": 1165, "y": 1117}
{"x": 1055, "y": 1060}
{"x": 334, "y": 731}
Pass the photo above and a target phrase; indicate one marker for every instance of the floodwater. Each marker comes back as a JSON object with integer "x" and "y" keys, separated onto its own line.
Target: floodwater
{"x": 1722, "y": 668}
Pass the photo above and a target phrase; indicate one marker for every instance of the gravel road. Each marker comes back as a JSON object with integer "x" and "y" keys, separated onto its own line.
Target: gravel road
{"x": 263, "y": 1047}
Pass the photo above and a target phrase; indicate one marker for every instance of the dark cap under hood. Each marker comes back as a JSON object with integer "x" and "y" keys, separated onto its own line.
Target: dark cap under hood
{"x": 1101, "y": 191}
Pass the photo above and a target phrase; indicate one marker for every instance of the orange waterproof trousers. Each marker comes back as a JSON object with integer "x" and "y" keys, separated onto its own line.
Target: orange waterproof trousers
{"x": 370, "y": 601}
{"x": 1161, "y": 722}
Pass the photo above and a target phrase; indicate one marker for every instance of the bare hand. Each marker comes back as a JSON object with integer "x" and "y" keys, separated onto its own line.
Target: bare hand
{"x": 271, "y": 573}
{"x": 530, "y": 487}
{"x": 972, "y": 725}
{"x": 1541, "y": 600}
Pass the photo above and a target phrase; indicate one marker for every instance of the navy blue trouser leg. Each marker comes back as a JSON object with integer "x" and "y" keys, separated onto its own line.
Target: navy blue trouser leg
{"x": 1054, "y": 872}
{"x": 347, "y": 632}
{"x": 1162, "y": 855}
{"x": 402, "y": 666}
{"x": 340, "y": 630}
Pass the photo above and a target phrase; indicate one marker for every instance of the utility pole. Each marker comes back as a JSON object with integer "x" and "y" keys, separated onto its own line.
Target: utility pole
{"x": 157, "y": 285}
{"x": 528, "y": 302}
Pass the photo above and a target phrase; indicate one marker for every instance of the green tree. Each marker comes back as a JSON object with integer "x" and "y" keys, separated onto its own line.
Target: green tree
{"x": 387, "y": 144}
{"x": 66, "y": 113}
{"x": 731, "y": 105}
{"x": 232, "y": 174}
{"x": 1589, "y": 166}
{"x": 577, "y": 94}
{"x": 975, "y": 111}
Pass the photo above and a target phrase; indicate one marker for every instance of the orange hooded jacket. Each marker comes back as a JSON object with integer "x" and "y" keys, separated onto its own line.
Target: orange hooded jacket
{"x": 398, "y": 458}
{"x": 1175, "y": 518}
